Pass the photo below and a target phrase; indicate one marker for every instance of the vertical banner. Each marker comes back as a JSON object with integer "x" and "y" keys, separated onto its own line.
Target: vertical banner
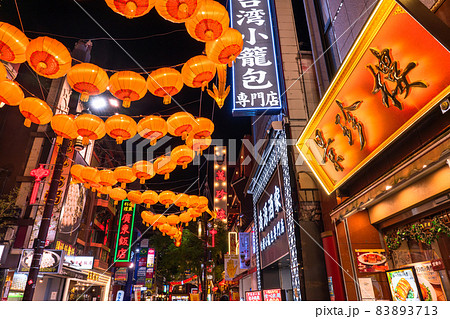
{"x": 125, "y": 232}
{"x": 255, "y": 74}
{"x": 231, "y": 266}
{"x": 232, "y": 243}
{"x": 220, "y": 182}
{"x": 62, "y": 186}
{"x": 150, "y": 268}
{"x": 244, "y": 250}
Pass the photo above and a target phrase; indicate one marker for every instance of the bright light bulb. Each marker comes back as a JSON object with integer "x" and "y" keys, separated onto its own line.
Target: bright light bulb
{"x": 114, "y": 102}
{"x": 99, "y": 102}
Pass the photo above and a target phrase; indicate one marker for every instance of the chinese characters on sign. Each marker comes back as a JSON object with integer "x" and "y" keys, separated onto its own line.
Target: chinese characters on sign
{"x": 272, "y": 295}
{"x": 125, "y": 232}
{"x": 220, "y": 182}
{"x": 253, "y": 296}
{"x": 256, "y": 88}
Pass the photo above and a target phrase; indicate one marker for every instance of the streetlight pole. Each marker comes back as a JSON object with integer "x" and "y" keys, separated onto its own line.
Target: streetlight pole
{"x": 80, "y": 52}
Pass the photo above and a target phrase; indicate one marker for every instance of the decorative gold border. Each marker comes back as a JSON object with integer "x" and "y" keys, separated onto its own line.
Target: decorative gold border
{"x": 361, "y": 45}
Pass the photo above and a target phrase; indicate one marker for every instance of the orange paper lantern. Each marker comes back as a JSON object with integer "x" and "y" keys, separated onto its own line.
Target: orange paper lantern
{"x": 172, "y": 220}
{"x": 87, "y": 79}
{"x": 10, "y": 93}
{"x": 13, "y": 43}
{"x": 75, "y": 171}
{"x": 150, "y": 198}
{"x": 177, "y": 10}
{"x": 64, "y": 127}
{"x": 165, "y": 83}
{"x": 164, "y": 165}
{"x": 143, "y": 170}
{"x": 117, "y": 194}
{"x": 89, "y": 175}
{"x": 89, "y": 127}
{"x": 124, "y": 175}
{"x": 210, "y": 22}
{"x": 202, "y": 202}
{"x": 181, "y": 200}
{"x": 166, "y": 198}
{"x": 180, "y": 124}
{"x": 203, "y": 128}
{"x": 152, "y": 127}
{"x": 158, "y": 220}
{"x": 135, "y": 197}
{"x": 35, "y": 110}
{"x": 198, "y": 145}
{"x": 146, "y": 217}
{"x": 193, "y": 201}
{"x": 194, "y": 213}
{"x": 3, "y": 72}
{"x": 225, "y": 49}
{"x": 164, "y": 228}
{"x": 48, "y": 57}
{"x": 172, "y": 232}
{"x": 182, "y": 155}
{"x": 107, "y": 177}
{"x": 185, "y": 218}
{"x": 198, "y": 72}
{"x": 120, "y": 127}
{"x": 127, "y": 86}
{"x": 131, "y": 8}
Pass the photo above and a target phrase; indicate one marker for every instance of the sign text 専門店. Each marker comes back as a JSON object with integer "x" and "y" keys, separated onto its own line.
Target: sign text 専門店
{"x": 255, "y": 73}
{"x": 125, "y": 232}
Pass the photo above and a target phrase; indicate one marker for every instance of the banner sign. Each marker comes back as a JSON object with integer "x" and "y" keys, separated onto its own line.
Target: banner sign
{"x": 125, "y": 232}
{"x": 255, "y": 73}
{"x": 253, "y": 296}
{"x": 121, "y": 274}
{"x": 79, "y": 262}
{"x": 51, "y": 261}
{"x": 385, "y": 85}
{"x": 371, "y": 260}
{"x": 272, "y": 295}
{"x": 220, "y": 182}
{"x": 231, "y": 266}
{"x": 244, "y": 250}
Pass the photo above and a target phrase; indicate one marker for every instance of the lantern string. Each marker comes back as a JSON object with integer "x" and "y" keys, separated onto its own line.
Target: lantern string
{"x": 20, "y": 18}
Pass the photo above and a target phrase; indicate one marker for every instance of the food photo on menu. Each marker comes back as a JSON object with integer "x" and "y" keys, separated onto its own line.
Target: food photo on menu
{"x": 371, "y": 260}
{"x": 403, "y": 284}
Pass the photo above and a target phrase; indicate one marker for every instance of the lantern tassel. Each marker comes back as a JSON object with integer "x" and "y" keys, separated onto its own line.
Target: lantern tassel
{"x": 166, "y": 176}
{"x": 123, "y": 185}
{"x": 85, "y": 141}
{"x": 184, "y": 166}
{"x": 126, "y": 103}
{"x": 59, "y": 140}
{"x": 84, "y": 97}
{"x": 27, "y": 122}
{"x": 153, "y": 141}
{"x": 167, "y": 99}
{"x": 142, "y": 180}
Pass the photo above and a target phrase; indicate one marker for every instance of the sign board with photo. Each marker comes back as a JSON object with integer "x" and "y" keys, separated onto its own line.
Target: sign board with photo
{"x": 404, "y": 284}
{"x": 51, "y": 261}
{"x": 429, "y": 282}
{"x": 371, "y": 260}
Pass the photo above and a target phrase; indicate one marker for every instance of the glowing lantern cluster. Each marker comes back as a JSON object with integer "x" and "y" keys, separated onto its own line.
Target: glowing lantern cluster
{"x": 209, "y": 23}
{"x": 120, "y": 127}
{"x": 87, "y": 79}
{"x": 165, "y": 83}
{"x": 13, "y": 44}
{"x": 48, "y": 57}
{"x": 35, "y": 111}
{"x": 131, "y": 8}
{"x": 127, "y": 86}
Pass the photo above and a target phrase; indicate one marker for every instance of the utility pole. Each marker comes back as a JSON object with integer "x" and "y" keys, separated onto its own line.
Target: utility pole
{"x": 81, "y": 52}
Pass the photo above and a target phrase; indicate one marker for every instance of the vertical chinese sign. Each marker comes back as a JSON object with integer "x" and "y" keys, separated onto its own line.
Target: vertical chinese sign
{"x": 220, "y": 182}
{"x": 150, "y": 268}
{"x": 255, "y": 74}
{"x": 125, "y": 232}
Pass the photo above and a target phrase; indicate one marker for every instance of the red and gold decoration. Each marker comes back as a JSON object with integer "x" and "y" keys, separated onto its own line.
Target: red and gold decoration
{"x": 198, "y": 71}
{"x": 209, "y": 23}
{"x": 13, "y": 44}
{"x": 127, "y": 86}
{"x": 220, "y": 93}
{"x": 89, "y": 127}
{"x": 165, "y": 83}
{"x": 177, "y": 11}
{"x": 120, "y": 127}
{"x": 64, "y": 127}
{"x": 131, "y": 8}
{"x": 48, "y": 57}
{"x": 38, "y": 174}
{"x": 87, "y": 79}
{"x": 385, "y": 85}
{"x": 35, "y": 111}
{"x": 220, "y": 182}
{"x": 152, "y": 127}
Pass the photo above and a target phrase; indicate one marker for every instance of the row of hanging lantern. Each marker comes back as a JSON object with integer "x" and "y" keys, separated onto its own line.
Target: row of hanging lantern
{"x": 50, "y": 58}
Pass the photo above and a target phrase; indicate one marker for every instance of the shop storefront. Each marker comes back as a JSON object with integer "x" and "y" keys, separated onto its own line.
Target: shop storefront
{"x": 380, "y": 148}
{"x": 94, "y": 287}
{"x": 275, "y": 248}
